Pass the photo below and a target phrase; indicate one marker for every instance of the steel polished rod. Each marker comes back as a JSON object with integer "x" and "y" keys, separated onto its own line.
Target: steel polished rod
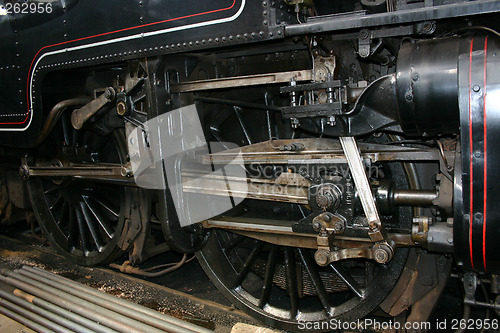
{"x": 25, "y": 321}
{"x": 415, "y": 197}
{"x": 113, "y": 303}
{"x": 33, "y": 316}
{"x": 74, "y": 327}
{"x": 92, "y": 325}
{"x": 89, "y": 310}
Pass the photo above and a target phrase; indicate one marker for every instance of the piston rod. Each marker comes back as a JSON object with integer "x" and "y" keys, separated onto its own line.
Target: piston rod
{"x": 414, "y": 197}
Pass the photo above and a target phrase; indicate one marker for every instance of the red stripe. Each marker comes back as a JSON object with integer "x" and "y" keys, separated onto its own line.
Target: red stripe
{"x": 485, "y": 139}
{"x": 104, "y": 34}
{"x": 471, "y": 152}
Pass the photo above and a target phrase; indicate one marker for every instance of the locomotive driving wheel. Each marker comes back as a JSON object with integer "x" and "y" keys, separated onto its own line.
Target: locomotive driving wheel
{"x": 282, "y": 285}
{"x": 81, "y": 218}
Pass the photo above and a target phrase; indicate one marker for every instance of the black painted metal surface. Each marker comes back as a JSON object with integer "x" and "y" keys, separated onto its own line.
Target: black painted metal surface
{"x": 477, "y": 218}
{"x": 427, "y": 87}
{"x": 81, "y": 34}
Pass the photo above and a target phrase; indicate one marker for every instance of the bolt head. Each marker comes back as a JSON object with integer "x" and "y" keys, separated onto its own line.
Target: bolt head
{"x": 373, "y": 226}
{"x": 316, "y": 225}
{"x": 381, "y": 256}
{"x": 108, "y": 93}
{"x": 326, "y": 217}
{"x": 321, "y": 257}
{"x": 363, "y": 34}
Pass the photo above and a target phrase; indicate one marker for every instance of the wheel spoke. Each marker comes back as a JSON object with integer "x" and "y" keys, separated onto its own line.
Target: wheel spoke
{"x": 99, "y": 217}
{"x": 247, "y": 265}
{"x": 72, "y": 228}
{"x": 51, "y": 190}
{"x": 106, "y": 207}
{"x": 312, "y": 270}
{"x": 348, "y": 280}
{"x": 291, "y": 281}
{"x": 58, "y": 202}
{"x": 82, "y": 218}
{"x": 65, "y": 215}
{"x": 84, "y": 236}
{"x": 234, "y": 242}
{"x": 89, "y": 220}
{"x": 268, "y": 277}
{"x": 237, "y": 110}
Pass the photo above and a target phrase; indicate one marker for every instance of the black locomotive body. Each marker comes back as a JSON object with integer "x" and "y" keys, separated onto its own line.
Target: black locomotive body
{"x": 367, "y": 133}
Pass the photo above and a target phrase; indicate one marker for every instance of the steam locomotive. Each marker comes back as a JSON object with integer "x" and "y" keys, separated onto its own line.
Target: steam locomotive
{"x": 363, "y": 132}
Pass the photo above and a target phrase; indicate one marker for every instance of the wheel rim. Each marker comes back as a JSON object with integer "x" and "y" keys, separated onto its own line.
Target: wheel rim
{"x": 292, "y": 288}
{"x": 82, "y": 219}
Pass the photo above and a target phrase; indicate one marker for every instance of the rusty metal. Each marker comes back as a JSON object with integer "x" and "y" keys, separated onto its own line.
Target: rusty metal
{"x": 129, "y": 269}
{"x": 54, "y": 116}
{"x": 136, "y": 229}
{"x": 309, "y": 240}
{"x": 99, "y": 171}
{"x": 242, "y": 81}
{"x": 241, "y": 104}
{"x": 81, "y": 115}
{"x": 328, "y": 221}
{"x": 319, "y": 151}
{"x": 324, "y": 257}
{"x": 300, "y": 240}
{"x": 420, "y": 229}
{"x": 280, "y": 232}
